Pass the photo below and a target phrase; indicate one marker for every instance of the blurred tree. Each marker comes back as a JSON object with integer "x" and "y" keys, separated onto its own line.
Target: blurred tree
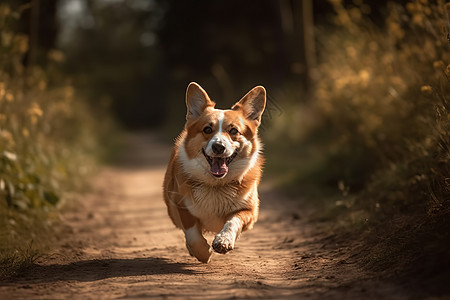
{"x": 227, "y": 45}
{"x": 142, "y": 54}
{"x": 38, "y": 22}
{"x": 115, "y": 59}
{"x": 298, "y": 30}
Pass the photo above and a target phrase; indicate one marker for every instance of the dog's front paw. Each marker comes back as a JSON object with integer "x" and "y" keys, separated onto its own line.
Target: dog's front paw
{"x": 223, "y": 243}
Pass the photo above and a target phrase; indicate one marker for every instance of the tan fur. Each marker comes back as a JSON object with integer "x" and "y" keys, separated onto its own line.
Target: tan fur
{"x": 196, "y": 200}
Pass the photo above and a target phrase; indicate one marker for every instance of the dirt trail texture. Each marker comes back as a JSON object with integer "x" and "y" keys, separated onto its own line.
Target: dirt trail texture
{"x": 120, "y": 243}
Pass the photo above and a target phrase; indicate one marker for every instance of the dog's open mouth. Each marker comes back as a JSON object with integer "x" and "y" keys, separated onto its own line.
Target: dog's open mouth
{"x": 219, "y": 165}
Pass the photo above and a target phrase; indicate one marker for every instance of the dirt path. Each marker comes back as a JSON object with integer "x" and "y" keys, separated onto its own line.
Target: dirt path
{"x": 120, "y": 243}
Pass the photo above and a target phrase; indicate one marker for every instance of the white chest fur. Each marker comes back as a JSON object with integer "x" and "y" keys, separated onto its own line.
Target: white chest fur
{"x": 212, "y": 204}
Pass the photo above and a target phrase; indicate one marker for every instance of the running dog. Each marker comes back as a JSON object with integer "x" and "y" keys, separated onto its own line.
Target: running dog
{"x": 211, "y": 182}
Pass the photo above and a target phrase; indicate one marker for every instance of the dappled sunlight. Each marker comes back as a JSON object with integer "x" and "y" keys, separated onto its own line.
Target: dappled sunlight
{"x": 355, "y": 134}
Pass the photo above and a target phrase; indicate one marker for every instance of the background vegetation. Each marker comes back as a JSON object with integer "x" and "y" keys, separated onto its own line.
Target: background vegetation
{"x": 375, "y": 134}
{"x": 378, "y": 119}
{"x": 48, "y": 143}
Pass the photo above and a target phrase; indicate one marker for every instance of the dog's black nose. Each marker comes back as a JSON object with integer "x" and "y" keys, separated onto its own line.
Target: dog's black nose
{"x": 218, "y": 148}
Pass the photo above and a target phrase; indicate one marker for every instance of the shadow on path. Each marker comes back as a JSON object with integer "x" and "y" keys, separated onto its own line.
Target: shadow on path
{"x": 98, "y": 269}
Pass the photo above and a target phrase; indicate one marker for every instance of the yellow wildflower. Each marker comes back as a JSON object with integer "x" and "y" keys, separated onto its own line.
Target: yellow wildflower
{"x": 6, "y": 137}
{"x": 417, "y": 19}
{"x": 9, "y": 97}
{"x": 25, "y": 132}
{"x": 56, "y": 56}
{"x": 439, "y": 64}
{"x": 34, "y": 119}
{"x": 35, "y": 110}
{"x": 364, "y": 77}
{"x": 426, "y": 89}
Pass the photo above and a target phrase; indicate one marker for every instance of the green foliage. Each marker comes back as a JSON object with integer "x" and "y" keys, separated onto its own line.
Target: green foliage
{"x": 371, "y": 149}
{"x": 24, "y": 236}
{"x": 47, "y": 141}
{"x": 379, "y": 121}
{"x": 122, "y": 67}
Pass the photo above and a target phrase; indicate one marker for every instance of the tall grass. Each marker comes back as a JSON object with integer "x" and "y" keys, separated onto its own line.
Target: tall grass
{"x": 371, "y": 148}
{"x": 47, "y": 142}
{"x": 378, "y": 125}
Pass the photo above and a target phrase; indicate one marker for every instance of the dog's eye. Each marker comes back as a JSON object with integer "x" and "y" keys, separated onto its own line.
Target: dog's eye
{"x": 207, "y": 130}
{"x": 233, "y": 131}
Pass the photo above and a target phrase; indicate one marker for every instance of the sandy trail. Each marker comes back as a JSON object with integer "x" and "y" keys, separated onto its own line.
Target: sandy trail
{"x": 120, "y": 243}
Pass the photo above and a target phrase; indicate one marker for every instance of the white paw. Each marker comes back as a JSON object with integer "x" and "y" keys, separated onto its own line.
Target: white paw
{"x": 223, "y": 242}
{"x": 200, "y": 250}
{"x": 197, "y": 245}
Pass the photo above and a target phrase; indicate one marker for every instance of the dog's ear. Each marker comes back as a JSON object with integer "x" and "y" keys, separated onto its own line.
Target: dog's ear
{"x": 197, "y": 100}
{"x": 252, "y": 104}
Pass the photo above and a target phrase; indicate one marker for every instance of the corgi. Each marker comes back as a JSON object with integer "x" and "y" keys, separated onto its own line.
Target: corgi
{"x": 211, "y": 182}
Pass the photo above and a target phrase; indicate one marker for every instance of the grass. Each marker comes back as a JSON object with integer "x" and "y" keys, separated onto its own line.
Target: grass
{"x": 373, "y": 142}
{"x": 48, "y": 145}
{"x": 24, "y": 238}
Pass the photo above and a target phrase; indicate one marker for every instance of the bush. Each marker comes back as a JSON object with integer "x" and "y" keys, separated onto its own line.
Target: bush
{"x": 371, "y": 149}
{"x": 47, "y": 143}
{"x": 378, "y": 124}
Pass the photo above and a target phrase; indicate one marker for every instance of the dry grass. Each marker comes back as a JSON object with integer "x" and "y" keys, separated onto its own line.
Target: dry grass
{"x": 379, "y": 120}
{"x": 374, "y": 140}
{"x": 48, "y": 138}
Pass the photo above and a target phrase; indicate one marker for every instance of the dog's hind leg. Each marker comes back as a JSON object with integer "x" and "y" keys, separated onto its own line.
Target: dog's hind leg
{"x": 195, "y": 242}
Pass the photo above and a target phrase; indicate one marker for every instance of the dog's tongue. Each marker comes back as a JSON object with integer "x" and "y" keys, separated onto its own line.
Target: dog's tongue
{"x": 218, "y": 166}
